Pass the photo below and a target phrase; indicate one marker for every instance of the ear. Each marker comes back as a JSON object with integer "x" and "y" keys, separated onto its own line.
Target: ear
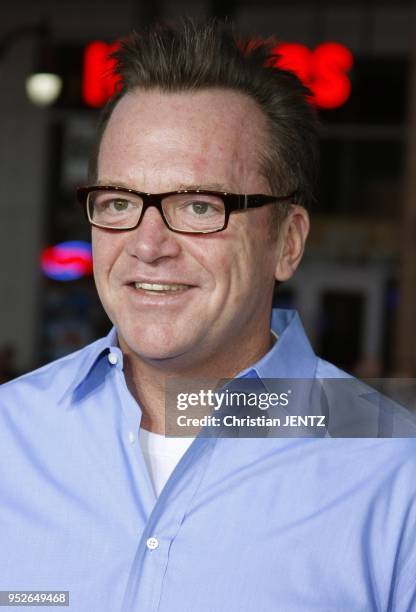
{"x": 292, "y": 239}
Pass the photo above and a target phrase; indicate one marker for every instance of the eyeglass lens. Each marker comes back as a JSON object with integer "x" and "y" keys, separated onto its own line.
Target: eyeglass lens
{"x": 188, "y": 212}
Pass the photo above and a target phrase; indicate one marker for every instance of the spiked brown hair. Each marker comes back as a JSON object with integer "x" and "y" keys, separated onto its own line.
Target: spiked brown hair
{"x": 190, "y": 55}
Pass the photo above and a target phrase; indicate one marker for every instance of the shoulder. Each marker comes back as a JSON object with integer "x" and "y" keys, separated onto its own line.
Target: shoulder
{"x": 367, "y": 408}
{"x": 39, "y": 416}
{"x": 52, "y": 380}
{"x": 325, "y": 369}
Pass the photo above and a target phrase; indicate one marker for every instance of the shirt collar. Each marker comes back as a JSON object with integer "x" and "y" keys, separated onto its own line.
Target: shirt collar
{"x": 290, "y": 357}
{"x": 90, "y": 357}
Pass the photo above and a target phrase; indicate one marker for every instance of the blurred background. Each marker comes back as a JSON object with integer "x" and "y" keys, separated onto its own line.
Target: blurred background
{"x": 355, "y": 290}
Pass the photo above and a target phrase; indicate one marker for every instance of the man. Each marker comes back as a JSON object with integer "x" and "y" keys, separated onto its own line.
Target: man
{"x": 94, "y": 499}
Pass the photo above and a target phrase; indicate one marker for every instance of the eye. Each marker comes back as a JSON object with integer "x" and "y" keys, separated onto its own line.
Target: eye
{"x": 118, "y": 205}
{"x": 203, "y": 208}
{"x": 114, "y": 205}
{"x": 199, "y": 208}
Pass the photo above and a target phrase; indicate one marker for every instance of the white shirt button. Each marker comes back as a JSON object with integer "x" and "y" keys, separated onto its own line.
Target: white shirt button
{"x": 152, "y": 543}
{"x": 112, "y": 358}
{"x": 132, "y": 437}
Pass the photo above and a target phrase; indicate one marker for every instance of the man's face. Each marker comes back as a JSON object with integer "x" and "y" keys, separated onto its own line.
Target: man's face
{"x": 156, "y": 142}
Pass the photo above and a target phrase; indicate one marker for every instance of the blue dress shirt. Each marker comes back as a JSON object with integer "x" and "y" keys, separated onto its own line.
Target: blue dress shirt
{"x": 242, "y": 525}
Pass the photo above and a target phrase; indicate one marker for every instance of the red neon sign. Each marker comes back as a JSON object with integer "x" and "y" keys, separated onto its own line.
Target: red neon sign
{"x": 67, "y": 261}
{"x": 99, "y": 81}
{"x": 324, "y": 70}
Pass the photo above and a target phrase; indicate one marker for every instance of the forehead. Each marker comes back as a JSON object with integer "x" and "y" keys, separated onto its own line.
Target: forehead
{"x": 212, "y": 135}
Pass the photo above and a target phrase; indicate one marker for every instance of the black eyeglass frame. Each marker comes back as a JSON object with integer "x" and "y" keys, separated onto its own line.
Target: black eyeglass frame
{"x": 232, "y": 202}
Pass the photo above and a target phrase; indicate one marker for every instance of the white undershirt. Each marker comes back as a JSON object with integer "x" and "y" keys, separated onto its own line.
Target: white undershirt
{"x": 163, "y": 454}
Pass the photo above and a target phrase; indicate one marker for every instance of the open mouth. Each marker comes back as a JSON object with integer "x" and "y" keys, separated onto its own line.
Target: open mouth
{"x": 160, "y": 288}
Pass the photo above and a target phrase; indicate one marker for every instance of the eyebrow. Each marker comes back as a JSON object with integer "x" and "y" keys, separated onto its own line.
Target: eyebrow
{"x": 181, "y": 187}
{"x": 207, "y": 186}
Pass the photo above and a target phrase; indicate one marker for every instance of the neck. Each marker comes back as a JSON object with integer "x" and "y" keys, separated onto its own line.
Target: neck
{"x": 146, "y": 379}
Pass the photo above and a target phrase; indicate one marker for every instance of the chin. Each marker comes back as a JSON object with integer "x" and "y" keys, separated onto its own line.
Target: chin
{"x": 152, "y": 343}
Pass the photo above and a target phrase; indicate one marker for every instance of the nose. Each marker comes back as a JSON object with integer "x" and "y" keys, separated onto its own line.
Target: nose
{"x": 152, "y": 240}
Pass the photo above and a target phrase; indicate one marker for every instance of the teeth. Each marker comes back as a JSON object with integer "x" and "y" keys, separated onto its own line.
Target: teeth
{"x": 156, "y": 287}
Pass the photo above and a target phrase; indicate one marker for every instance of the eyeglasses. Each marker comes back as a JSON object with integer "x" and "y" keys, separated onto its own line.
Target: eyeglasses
{"x": 189, "y": 212}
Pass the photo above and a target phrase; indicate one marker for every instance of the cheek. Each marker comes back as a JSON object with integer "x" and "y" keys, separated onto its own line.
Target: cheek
{"x": 211, "y": 254}
{"x": 105, "y": 251}
{"x": 257, "y": 255}
{"x": 227, "y": 263}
